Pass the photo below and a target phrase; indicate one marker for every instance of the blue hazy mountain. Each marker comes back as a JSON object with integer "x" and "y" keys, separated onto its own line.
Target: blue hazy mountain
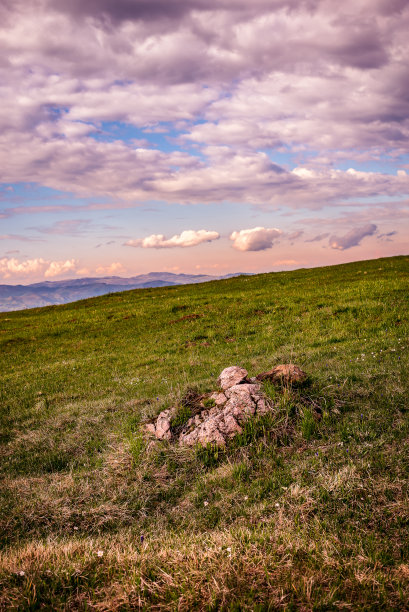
{"x": 47, "y": 293}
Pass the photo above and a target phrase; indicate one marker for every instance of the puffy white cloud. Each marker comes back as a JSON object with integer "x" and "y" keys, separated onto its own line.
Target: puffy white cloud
{"x": 256, "y": 239}
{"x": 113, "y": 269}
{"x": 187, "y": 238}
{"x": 352, "y": 238}
{"x": 56, "y": 268}
{"x": 12, "y": 267}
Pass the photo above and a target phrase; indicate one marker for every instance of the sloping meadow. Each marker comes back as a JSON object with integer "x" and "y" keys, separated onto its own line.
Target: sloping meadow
{"x": 306, "y": 509}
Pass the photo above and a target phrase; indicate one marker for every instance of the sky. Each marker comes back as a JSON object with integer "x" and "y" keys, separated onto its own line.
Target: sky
{"x": 201, "y": 136}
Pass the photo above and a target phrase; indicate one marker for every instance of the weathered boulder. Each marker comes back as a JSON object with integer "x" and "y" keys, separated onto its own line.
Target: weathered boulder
{"x": 232, "y": 376}
{"x": 221, "y": 424}
{"x": 288, "y": 374}
{"x": 242, "y": 398}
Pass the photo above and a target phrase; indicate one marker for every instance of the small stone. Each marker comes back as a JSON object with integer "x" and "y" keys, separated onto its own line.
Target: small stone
{"x": 288, "y": 373}
{"x": 233, "y": 375}
{"x": 218, "y": 398}
{"x": 150, "y": 428}
{"x": 162, "y": 430}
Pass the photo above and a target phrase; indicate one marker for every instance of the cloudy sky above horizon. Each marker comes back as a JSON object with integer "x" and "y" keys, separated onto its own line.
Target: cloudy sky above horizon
{"x": 201, "y": 136}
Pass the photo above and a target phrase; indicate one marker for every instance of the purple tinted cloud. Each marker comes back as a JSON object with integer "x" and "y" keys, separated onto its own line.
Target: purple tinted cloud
{"x": 318, "y": 238}
{"x": 232, "y": 81}
{"x": 352, "y": 238}
{"x": 71, "y": 227}
{"x": 19, "y": 237}
{"x": 387, "y": 236}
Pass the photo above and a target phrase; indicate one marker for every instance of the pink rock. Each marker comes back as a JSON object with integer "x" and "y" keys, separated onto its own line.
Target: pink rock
{"x": 232, "y": 376}
{"x": 162, "y": 431}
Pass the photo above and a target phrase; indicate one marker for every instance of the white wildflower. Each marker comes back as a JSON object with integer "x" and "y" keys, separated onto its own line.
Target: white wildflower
{"x": 100, "y": 553}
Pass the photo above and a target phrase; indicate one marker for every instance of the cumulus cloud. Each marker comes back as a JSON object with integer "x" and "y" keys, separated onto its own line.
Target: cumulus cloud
{"x": 56, "y": 268}
{"x": 113, "y": 269}
{"x": 12, "y": 267}
{"x": 255, "y": 239}
{"x": 187, "y": 238}
{"x": 352, "y": 238}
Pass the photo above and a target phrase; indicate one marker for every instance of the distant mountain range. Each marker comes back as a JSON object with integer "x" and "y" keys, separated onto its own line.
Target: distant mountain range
{"x": 18, "y": 297}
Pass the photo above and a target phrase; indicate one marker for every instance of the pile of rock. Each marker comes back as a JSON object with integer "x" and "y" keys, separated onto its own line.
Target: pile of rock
{"x": 221, "y": 415}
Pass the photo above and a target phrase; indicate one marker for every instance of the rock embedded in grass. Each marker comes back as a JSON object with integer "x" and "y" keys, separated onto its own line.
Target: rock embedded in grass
{"x": 242, "y": 399}
{"x": 218, "y": 398}
{"x": 163, "y": 426}
{"x": 288, "y": 374}
{"x": 231, "y": 376}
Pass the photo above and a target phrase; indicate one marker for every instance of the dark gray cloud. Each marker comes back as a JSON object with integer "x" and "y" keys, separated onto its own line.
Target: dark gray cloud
{"x": 352, "y": 238}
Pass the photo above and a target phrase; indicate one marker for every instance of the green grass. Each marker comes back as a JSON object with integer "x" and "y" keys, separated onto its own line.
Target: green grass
{"x": 306, "y": 510}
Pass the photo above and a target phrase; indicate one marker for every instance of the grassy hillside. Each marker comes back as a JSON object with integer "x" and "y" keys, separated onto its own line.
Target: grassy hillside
{"x": 298, "y": 514}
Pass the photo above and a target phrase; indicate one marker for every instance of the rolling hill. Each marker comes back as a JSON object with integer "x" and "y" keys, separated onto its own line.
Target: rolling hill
{"x": 306, "y": 509}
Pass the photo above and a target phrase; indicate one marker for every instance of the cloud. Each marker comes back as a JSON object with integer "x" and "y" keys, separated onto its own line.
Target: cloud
{"x": 256, "y": 239}
{"x": 19, "y": 237}
{"x": 71, "y": 227}
{"x": 112, "y": 270}
{"x": 387, "y": 237}
{"x": 187, "y": 238}
{"x": 56, "y": 268}
{"x": 302, "y": 80}
{"x": 352, "y": 238}
{"x": 12, "y": 267}
{"x": 318, "y": 238}
{"x": 294, "y": 235}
